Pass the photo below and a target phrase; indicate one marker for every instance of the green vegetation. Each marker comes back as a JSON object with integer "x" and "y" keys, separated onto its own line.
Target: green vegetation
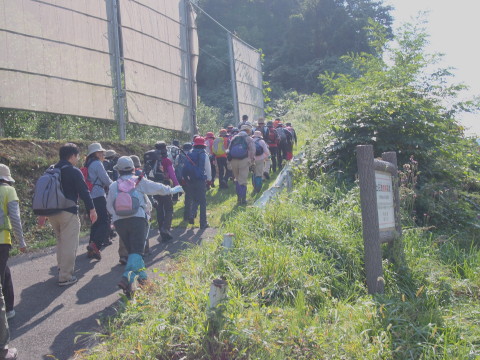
{"x": 296, "y": 280}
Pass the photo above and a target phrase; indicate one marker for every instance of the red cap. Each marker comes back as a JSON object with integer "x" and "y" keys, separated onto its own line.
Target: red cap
{"x": 209, "y": 135}
{"x": 199, "y": 141}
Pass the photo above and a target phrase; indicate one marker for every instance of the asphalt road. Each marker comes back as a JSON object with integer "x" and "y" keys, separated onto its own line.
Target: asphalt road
{"x": 50, "y": 319}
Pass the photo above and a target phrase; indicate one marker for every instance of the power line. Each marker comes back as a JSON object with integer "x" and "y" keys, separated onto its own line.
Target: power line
{"x": 221, "y": 26}
{"x": 214, "y": 57}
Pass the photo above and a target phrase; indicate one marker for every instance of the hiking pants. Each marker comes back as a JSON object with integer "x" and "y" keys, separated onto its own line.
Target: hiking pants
{"x": 213, "y": 167}
{"x": 240, "y": 169}
{"x": 164, "y": 212}
{"x": 273, "y": 153}
{"x": 6, "y": 277}
{"x": 259, "y": 166}
{"x": 133, "y": 231}
{"x": 4, "y": 331}
{"x": 198, "y": 191}
{"x": 222, "y": 169}
{"x": 100, "y": 229}
{"x": 67, "y": 229}
{"x": 281, "y": 154}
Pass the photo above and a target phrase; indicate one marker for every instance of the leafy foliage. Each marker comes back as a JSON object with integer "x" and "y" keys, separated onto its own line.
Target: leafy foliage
{"x": 394, "y": 103}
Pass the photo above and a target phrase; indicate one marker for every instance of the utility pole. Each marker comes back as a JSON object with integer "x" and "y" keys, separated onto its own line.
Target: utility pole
{"x": 233, "y": 79}
{"x": 119, "y": 90}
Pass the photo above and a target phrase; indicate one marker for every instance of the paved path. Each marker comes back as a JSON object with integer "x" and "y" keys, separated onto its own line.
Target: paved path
{"x": 49, "y": 318}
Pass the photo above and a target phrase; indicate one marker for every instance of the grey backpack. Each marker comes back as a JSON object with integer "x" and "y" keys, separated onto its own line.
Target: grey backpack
{"x": 48, "y": 197}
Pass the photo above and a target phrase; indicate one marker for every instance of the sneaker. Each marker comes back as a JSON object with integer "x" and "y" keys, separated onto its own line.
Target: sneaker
{"x": 10, "y": 314}
{"x": 123, "y": 260}
{"x": 8, "y": 354}
{"x": 93, "y": 252}
{"x": 72, "y": 280}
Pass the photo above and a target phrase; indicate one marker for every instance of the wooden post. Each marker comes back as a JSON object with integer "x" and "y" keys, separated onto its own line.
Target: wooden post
{"x": 228, "y": 240}
{"x": 391, "y": 157}
{"x": 218, "y": 292}
{"x": 371, "y": 237}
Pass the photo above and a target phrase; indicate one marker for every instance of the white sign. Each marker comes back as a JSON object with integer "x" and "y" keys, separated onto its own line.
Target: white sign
{"x": 386, "y": 210}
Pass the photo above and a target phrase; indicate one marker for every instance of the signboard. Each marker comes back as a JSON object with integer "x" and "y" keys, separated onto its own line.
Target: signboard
{"x": 385, "y": 206}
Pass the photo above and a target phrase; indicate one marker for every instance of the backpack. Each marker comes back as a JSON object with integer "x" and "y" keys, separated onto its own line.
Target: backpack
{"x": 153, "y": 166}
{"x": 272, "y": 136}
{"x": 84, "y": 171}
{"x": 238, "y": 148}
{"x": 127, "y": 201}
{"x": 282, "y": 136}
{"x": 179, "y": 164}
{"x": 194, "y": 166}
{"x": 218, "y": 147}
{"x": 258, "y": 148}
{"x": 48, "y": 196}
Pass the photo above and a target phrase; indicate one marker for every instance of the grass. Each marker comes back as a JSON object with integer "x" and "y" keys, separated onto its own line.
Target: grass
{"x": 296, "y": 290}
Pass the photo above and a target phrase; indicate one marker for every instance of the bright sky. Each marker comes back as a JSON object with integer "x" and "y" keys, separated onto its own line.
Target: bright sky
{"x": 454, "y": 29}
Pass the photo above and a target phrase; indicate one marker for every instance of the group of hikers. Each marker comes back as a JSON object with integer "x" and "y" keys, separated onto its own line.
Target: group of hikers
{"x": 120, "y": 194}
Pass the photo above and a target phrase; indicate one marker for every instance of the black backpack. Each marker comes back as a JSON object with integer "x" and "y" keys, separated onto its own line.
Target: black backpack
{"x": 153, "y": 166}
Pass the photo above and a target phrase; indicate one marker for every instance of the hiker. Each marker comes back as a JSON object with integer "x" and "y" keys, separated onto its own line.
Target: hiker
{"x": 197, "y": 174}
{"x": 128, "y": 204}
{"x": 290, "y": 128}
{"x": 284, "y": 144}
{"x": 137, "y": 164}
{"x": 241, "y": 153}
{"x": 110, "y": 161}
{"x": 244, "y": 122}
{"x": 6, "y": 353}
{"x": 272, "y": 141}
{"x": 99, "y": 180}
{"x": 209, "y": 139}
{"x": 219, "y": 149}
{"x": 276, "y": 122}
{"x": 179, "y": 164}
{"x": 10, "y": 222}
{"x": 264, "y": 131}
{"x": 161, "y": 170}
{"x": 229, "y": 130}
{"x": 65, "y": 222}
{"x": 261, "y": 155}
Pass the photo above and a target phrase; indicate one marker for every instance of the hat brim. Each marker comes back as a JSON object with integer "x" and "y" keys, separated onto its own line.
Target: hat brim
{"x": 97, "y": 150}
{"x": 127, "y": 169}
{"x": 7, "y": 178}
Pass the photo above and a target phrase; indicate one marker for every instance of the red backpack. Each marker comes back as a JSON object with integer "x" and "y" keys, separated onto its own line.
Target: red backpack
{"x": 84, "y": 171}
{"x": 272, "y": 137}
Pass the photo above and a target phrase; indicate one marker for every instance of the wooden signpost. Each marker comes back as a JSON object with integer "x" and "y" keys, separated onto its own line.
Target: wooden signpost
{"x": 379, "y": 196}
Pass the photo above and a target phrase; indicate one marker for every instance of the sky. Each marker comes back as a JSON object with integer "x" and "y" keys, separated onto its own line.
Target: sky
{"x": 454, "y": 30}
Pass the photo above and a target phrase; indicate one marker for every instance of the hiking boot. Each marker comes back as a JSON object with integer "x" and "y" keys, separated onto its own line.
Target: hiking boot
{"x": 266, "y": 175}
{"x": 191, "y": 221}
{"x": 205, "y": 226}
{"x": 10, "y": 314}
{"x": 93, "y": 252}
{"x": 127, "y": 288}
{"x": 166, "y": 235}
{"x": 123, "y": 260}
{"x": 8, "y": 354}
{"x": 72, "y": 280}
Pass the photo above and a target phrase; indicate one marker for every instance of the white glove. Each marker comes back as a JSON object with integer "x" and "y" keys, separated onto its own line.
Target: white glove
{"x": 175, "y": 190}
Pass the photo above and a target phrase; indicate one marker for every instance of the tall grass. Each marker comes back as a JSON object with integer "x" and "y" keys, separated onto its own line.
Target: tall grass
{"x": 296, "y": 290}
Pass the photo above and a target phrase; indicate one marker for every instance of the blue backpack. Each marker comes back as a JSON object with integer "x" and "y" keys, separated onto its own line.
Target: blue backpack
{"x": 194, "y": 166}
{"x": 238, "y": 148}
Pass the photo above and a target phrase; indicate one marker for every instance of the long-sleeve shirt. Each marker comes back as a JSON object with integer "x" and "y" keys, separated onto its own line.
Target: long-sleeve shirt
{"x": 98, "y": 176}
{"x": 144, "y": 187}
{"x": 10, "y": 216}
{"x": 168, "y": 168}
{"x": 74, "y": 186}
